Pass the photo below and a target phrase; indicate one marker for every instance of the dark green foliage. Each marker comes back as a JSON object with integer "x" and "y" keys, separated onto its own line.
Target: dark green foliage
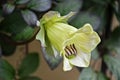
{"x": 85, "y": 17}
{"x": 30, "y": 17}
{"x": 90, "y": 74}
{"x": 113, "y": 43}
{"x": 6, "y": 49}
{"x": 113, "y": 63}
{"x": 29, "y": 65}
{"x": 15, "y": 26}
{"x": 21, "y": 1}
{"x": 67, "y": 6}
{"x": 8, "y": 8}
{"x": 39, "y": 5}
{"x": 95, "y": 54}
{"x": 7, "y": 72}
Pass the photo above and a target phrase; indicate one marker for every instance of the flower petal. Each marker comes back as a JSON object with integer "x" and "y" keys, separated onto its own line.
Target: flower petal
{"x": 58, "y": 33}
{"x": 81, "y": 60}
{"x": 54, "y": 16}
{"x": 41, "y": 36}
{"x": 66, "y": 65}
{"x": 51, "y": 15}
{"x": 85, "y": 40}
{"x": 55, "y": 52}
{"x": 87, "y": 29}
{"x": 66, "y": 17}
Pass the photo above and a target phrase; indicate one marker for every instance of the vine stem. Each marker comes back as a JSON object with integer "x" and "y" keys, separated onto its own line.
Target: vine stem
{"x": 0, "y": 51}
{"x": 26, "y": 48}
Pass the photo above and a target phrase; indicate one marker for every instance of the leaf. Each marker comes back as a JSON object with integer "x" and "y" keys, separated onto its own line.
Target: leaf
{"x": 87, "y": 74}
{"x": 30, "y": 78}
{"x": 8, "y": 8}
{"x": 113, "y": 43}
{"x": 29, "y": 65}
{"x": 7, "y": 72}
{"x": 99, "y": 10}
{"x": 39, "y": 5}
{"x": 102, "y": 12}
{"x": 15, "y": 26}
{"x": 103, "y": 2}
{"x": 21, "y": 1}
{"x": 7, "y": 49}
{"x": 67, "y": 6}
{"x": 101, "y": 76}
{"x": 26, "y": 34}
{"x": 116, "y": 8}
{"x": 51, "y": 56}
{"x": 85, "y": 17}
{"x": 30, "y": 17}
{"x": 90, "y": 74}
{"x": 95, "y": 54}
{"x": 13, "y": 23}
{"x": 113, "y": 63}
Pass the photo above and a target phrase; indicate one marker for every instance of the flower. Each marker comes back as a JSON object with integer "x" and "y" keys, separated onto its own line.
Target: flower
{"x": 75, "y": 45}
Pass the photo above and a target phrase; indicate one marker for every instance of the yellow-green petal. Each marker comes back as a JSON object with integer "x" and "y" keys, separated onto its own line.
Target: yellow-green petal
{"x": 41, "y": 36}
{"x": 58, "y": 33}
{"x": 87, "y": 29}
{"x": 84, "y": 41}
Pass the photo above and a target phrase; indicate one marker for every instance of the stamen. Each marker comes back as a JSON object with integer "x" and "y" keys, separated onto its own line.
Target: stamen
{"x": 70, "y": 50}
{"x": 75, "y": 49}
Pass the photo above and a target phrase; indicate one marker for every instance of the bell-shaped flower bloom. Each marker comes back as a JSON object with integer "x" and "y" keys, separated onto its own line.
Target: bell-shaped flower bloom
{"x": 75, "y": 45}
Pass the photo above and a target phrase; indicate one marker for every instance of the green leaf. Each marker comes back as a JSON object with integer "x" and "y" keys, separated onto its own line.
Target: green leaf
{"x": 7, "y": 72}
{"x": 7, "y": 49}
{"x": 67, "y": 6}
{"x": 39, "y": 5}
{"x": 87, "y": 74}
{"x": 102, "y": 13}
{"x": 85, "y": 17}
{"x": 15, "y": 26}
{"x": 116, "y": 8}
{"x": 90, "y": 74}
{"x": 103, "y": 2}
{"x": 113, "y": 43}
{"x": 101, "y": 76}
{"x": 51, "y": 56}
{"x": 95, "y": 54}
{"x": 30, "y": 78}
{"x": 98, "y": 9}
{"x": 29, "y": 65}
{"x": 8, "y": 8}
{"x": 13, "y": 23}
{"x": 21, "y": 1}
{"x": 26, "y": 34}
{"x": 113, "y": 63}
{"x": 30, "y": 17}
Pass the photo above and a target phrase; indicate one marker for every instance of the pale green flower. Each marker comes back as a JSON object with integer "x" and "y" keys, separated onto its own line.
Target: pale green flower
{"x": 75, "y": 45}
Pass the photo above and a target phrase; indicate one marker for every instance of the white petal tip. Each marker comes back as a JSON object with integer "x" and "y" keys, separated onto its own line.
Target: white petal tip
{"x": 38, "y": 23}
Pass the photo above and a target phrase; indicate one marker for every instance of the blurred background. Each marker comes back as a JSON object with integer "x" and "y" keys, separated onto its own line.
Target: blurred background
{"x": 21, "y": 55}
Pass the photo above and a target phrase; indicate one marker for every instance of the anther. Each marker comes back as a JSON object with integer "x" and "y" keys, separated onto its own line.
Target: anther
{"x": 70, "y": 50}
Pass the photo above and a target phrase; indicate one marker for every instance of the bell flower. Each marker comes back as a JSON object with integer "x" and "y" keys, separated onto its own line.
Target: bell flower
{"x": 75, "y": 45}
